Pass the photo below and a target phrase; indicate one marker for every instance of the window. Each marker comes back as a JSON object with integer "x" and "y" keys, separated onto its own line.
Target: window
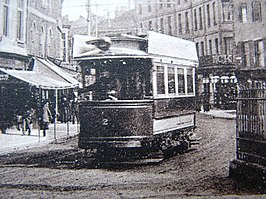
{"x": 187, "y": 22}
{"x": 161, "y": 4}
{"x": 190, "y": 82}
{"x": 20, "y": 22}
{"x": 171, "y": 80}
{"x": 140, "y": 9}
{"x": 259, "y": 53}
{"x": 217, "y": 46}
{"x": 227, "y": 8}
{"x": 202, "y": 48}
{"x": 150, "y": 25}
{"x": 208, "y": 15}
{"x": 200, "y": 19}
{"x": 197, "y": 48}
{"x": 180, "y": 23}
{"x": 243, "y": 13}
{"x": 214, "y": 13}
{"x": 160, "y": 80}
{"x": 210, "y": 47}
{"x": 256, "y": 12}
{"x": 195, "y": 20}
{"x": 169, "y": 25}
{"x": 181, "y": 81}
{"x": 5, "y": 17}
{"x": 168, "y": 4}
{"x": 149, "y": 6}
{"x": 161, "y": 25}
{"x": 228, "y": 45}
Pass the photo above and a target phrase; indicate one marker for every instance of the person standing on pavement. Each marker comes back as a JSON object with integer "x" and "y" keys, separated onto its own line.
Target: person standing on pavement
{"x": 46, "y": 117}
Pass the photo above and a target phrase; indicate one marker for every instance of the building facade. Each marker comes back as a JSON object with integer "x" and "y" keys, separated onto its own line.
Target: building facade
{"x": 28, "y": 29}
{"x": 209, "y": 23}
{"x": 250, "y": 38}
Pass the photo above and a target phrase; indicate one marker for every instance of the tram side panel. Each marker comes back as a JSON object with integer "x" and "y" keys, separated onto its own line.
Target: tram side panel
{"x": 114, "y": 124}
{"x": 174, "y": 122}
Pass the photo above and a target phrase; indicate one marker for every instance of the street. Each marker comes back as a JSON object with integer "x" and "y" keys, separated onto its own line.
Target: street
{"x": 201, "y": 173}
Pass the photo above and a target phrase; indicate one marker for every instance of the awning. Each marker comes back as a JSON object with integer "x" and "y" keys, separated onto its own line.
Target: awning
{"x": 45, "y": 75}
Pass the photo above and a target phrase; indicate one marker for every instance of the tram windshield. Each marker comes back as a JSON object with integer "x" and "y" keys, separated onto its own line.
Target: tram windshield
{"x": 116, "y": 79}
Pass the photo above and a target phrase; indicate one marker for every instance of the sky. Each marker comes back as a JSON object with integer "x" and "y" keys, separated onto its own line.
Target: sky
{"x": 77, "y": 8}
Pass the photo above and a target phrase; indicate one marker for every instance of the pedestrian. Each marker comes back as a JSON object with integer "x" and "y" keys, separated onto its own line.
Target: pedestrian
{"x": 206, "y": 103}
{"x": 27, "y": 121}
{"x": 46, "y": 117}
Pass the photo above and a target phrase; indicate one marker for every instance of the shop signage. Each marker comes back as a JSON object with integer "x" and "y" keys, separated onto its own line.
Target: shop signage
{"x": 222, "y": 59}
{"x": 3, "y": 77}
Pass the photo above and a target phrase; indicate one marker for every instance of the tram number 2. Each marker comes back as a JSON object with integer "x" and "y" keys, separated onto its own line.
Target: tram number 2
{"x": 105, "y": 122}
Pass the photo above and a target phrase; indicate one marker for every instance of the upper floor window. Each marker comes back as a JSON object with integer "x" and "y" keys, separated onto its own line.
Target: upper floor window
{"x": 20, "y": 20}
{"x": 168, "y": 3}
{"x": 227, "y": 7}
{"x": 150, "y": 25}
{"x": 195, "y": 20}
{"x": 187, "y": 22}
{"x": 210, "y": 47}
{"x": 149, "y": 6}
{"x": 214, "y": 13}
{"x": 140, "y": 9}
{"x": 208, "y": 15}
{"x": 169, "y": 25}
{"x": 161, "y": 25}
{"x": 180, "y": 23}
{"x": 161, "y": 4}
{"x": 5, "y": 17}
{"x": 256, "y": 11}
{"x": 243, "y": 13}
{"x": 200, "y": 19}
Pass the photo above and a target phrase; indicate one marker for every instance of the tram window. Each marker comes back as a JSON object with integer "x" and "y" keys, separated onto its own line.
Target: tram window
{"x": 181, "y": 81}
{"x": 190, "y": 81}
{"x": 171, "y": 80}
{"x": 160, "y": 80}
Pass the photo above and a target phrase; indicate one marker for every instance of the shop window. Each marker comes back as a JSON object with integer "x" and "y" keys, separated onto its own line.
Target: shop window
{"x": 259, "y": 53}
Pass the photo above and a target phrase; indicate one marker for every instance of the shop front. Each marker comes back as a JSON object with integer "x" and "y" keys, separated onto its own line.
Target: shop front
{"x": 218, "y": 83}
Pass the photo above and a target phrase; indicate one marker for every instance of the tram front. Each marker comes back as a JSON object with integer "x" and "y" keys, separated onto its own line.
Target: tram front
{"x": 115, "y": 106}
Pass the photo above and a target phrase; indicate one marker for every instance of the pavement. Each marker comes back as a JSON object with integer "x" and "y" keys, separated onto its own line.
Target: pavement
{"x": 14, "y": 141}
{"x": 217, "y": 113}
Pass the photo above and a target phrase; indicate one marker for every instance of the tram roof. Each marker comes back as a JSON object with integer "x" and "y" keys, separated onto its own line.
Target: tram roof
{"x": 156, "y": 44}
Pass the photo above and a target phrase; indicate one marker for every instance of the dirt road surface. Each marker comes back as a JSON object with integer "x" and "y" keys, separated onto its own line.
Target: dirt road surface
{"x": 200, "y": 173}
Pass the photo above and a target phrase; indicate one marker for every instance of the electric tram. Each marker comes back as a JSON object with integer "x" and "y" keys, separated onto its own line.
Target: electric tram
{"x": 137, "y": 95}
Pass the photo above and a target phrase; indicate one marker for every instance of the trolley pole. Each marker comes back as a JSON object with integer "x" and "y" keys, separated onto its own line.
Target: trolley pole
{"x": 89, "y": 17}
